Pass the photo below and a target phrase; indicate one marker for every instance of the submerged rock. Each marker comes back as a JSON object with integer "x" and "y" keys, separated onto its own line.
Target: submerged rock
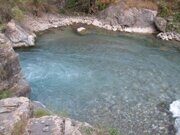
{"x": 81, "y": 30}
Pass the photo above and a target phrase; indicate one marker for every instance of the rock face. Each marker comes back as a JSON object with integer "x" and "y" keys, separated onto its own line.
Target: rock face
{"x": 160, "y": 24}
{"x": 11, "y": 78}
{"x": 54, "y": 125}
{"x": 14, "y": 113}
{"x": 16, "y": 118}
{"x": 118, "y": 14}
{"x": 18, "y": 35}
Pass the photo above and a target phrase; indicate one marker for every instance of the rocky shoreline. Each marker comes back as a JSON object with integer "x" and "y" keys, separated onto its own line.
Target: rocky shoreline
{"x": 19, "y": 117}
{"x": 11, "y": 77}
{"x": 114, "y": 18}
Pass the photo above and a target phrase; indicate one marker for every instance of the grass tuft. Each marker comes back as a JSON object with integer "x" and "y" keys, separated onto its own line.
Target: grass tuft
{"x": 40, "y": 112}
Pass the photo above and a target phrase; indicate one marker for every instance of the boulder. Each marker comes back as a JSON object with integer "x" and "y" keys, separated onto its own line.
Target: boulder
{"x": 81, "y": 31}
{"x": 11, "y": 78}
{"x": 14, "y": 113}
{"x": 119, "y": 14}
{"x": 18, "y": 35}
{"x": 160, "y": 24}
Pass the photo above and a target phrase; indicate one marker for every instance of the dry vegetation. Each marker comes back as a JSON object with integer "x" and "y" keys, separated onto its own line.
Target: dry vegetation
{"x": 17, "y": 8}
{"x": 149, "y": 4}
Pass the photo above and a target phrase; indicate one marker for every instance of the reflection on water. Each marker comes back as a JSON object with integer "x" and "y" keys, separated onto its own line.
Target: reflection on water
{"x": 117, "y": 81}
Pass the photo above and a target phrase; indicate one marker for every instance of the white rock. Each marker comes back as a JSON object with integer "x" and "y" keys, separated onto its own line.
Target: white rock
{"x": 80, "y": 29}
{"x": 175, "y": 108}
{"x": 177, "y": 126}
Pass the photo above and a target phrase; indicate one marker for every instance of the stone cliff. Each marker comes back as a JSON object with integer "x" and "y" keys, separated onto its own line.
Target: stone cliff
{"x": 11, "y": 77}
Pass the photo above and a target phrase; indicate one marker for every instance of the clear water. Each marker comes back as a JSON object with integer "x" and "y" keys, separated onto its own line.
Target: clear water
{"x": 121, "y": 81}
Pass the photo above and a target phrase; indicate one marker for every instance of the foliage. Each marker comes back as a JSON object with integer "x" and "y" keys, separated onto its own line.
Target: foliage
{"x": 40, "y": 112}
{"x": 164, "y": 9}
{"x": 17, "y": 13}
{"x": 17, "y": 8}
{"x": 101, "y": 5}
{"x": 88, "y": 6}
{"x": 5, "y": 94}
{"x": 177, "y": 17}
{"x": 149, "y": 4}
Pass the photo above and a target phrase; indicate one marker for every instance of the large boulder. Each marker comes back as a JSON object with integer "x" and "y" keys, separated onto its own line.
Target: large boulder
{"x": 160, "y": 24}
{"x": 54, "y": 125}
{"x": 19, "y": 36}
{"x": 119, "y": 14}
{"x": 14, "y": 113}
{"x": 11, "y": 77}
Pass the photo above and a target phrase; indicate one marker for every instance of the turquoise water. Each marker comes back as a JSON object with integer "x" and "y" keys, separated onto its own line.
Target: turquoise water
{"x": 114, "y": 80}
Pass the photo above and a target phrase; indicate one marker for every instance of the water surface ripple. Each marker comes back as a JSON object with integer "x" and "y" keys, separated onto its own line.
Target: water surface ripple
{"x": 121, "y": 81}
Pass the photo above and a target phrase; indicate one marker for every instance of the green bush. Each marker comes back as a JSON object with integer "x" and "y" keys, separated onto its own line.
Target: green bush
{"x": 17, "y": 13}
{"x": 164, "y": 9}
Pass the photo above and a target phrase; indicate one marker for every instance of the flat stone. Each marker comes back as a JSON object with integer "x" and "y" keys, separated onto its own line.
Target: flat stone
{"x": 19, "y": 114}
{"x": 57, "y": 126}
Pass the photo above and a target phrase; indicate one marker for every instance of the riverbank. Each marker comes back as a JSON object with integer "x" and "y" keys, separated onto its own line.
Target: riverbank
{"x": 24, "y": 33}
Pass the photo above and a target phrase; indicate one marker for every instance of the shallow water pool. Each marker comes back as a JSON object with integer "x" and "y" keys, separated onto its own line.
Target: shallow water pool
{"x": 113, "y": 80}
